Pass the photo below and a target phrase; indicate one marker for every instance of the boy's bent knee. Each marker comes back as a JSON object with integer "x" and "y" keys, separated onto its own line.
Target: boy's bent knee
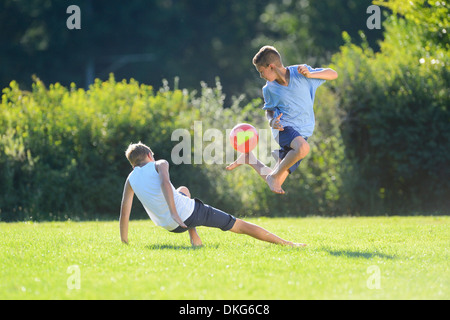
{"x": 300, "y": 146}
{"x": 185, "y": 191}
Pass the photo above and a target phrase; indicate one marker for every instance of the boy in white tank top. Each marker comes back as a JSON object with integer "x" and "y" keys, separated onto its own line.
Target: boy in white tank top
{"x": 173, "y": 209}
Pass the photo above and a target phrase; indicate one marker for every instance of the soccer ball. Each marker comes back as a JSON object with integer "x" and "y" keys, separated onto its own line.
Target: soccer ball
{"x": 244, "y": 137}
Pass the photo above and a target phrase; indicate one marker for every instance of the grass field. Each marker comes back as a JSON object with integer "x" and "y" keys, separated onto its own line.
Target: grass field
{"x": 347, "y": 258}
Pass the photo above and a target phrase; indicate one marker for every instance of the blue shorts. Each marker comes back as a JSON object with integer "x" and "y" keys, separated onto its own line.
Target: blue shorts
{"x": 284, "y": 139}
{"x": 205, "y": 215}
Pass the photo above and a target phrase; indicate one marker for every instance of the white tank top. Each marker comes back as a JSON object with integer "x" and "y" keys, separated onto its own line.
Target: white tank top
{"x": 146, "y": 185}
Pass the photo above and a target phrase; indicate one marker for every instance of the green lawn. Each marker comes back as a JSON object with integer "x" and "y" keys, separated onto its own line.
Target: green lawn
{"x": 347, "y": 258}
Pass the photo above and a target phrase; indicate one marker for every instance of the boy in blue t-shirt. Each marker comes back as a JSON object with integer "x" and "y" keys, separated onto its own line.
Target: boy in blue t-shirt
{"x": 288, "y": 101}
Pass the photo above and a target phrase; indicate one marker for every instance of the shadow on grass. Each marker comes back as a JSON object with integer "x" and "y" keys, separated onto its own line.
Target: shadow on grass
{"x": 176, "y": 247}
{"x": 358, "y": 254}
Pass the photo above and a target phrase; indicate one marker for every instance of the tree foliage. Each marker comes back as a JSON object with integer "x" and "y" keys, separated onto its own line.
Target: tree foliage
{"x": 150, "y": 40}
{"x": 382, "y": 137}
{"x": 395, "y": 124}
{"x": 62, "y": 150}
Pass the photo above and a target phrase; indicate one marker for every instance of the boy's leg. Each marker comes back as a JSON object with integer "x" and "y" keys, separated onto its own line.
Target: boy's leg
{"x": 193, "y": 235}
{"x": 212, "y": 217}
{"x": 184, "y": 190}
{"x": 263, "y": 170}
{"x": 300, "y": 149}
{"x": 243, "y": 227}
{"x": 251, "y": 160}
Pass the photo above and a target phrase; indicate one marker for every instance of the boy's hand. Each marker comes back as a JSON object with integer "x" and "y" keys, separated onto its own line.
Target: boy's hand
{"x": 303, "y": 69}
{"x": 178, "y": 220}
{"x": 275, "y": 123}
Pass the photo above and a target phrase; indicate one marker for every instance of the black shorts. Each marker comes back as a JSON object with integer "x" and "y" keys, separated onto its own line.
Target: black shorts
{"x": 205, "y": 215}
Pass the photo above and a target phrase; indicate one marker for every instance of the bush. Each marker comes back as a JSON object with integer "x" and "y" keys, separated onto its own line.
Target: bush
{"x": 62, "y": 151}
{"x": 395, "y": 124}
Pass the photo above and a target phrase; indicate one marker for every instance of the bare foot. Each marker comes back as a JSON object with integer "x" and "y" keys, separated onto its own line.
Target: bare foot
{"x": 242, "y": 159}
{"x": 297, "y": 245}
{"x": 274, "y": 184}
{"x": 233, "y": 165}
{"x": 196, "y": 244}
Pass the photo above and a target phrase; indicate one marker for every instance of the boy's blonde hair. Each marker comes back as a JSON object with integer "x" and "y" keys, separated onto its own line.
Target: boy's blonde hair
{"x": 267, "y": 55}
{"x": 137, "y": 152}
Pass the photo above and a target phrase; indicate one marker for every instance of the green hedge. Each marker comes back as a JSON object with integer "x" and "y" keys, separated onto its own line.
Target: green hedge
{"x": 62, "y": 151}
{"x": 395, "y": 122}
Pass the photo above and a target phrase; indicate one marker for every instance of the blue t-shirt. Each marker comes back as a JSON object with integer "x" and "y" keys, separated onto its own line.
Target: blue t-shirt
{"x": 295, "y": 101}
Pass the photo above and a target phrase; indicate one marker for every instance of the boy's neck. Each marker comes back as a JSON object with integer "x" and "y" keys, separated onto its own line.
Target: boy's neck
{"x": 143, "y": 163}
{"x": 283, "y": 76}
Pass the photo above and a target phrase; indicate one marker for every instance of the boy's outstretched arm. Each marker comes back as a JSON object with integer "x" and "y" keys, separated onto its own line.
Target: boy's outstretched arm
{"x": 125, "y": 210}
{"x": 324, "y": 74}
{"x": 162, "y": 166}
